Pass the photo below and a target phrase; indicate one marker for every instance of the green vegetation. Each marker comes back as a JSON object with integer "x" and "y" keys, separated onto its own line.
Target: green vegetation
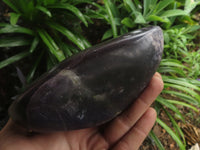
{"x": 49, "y": 31}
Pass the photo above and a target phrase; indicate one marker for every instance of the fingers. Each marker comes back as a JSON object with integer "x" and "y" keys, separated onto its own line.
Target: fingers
{"x": 134, "y": 138}
{"x": 122, "y": 124}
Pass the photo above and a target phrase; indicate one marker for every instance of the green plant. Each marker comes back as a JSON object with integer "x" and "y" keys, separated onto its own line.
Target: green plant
{"x": 178, "y": 90}
{"x": 127, "y": 14}
{"x": 39, "y": 26}
{"x": 178, "y": 40}
{"x": 193, "y": 60}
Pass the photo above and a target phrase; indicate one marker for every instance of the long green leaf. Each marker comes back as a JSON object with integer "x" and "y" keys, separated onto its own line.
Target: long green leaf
{"x": 14, "y": 17}
{"x": 71, "y": 8}
{"x": 13, "y": 59}
{"x": 138, "y": 15}
{"x": 183, "y": 104}
{"x": 156, "y": 140}
{"x": 173, "y": 135}
{"x": 3, "y": 24}
{"x": 131, "y": 6}
{"x": 14, "y": 42}
{"x": 170, "y": 106}
{"x": 48, "y": 2}
{"x": 179, "y": 82}
{"x": 102, "y": 9}
{"x": 97, "y": 15}
{"x": 156, "y": 18}
{"x": 51, "y": 45}
{"x": 107, "y": 34}
{"x": 67, "y": 33}
{"x": 171, "y": 70}
{"x": 128, "y": 22}
{"x": 86, "y": 43}
{"x": 174, "y": 12}
{"x": 15, "y": 29}
{"x": 34, "y": 44}
{"x": 44, "y": 10}
{"x": 11, "y": 5}
{"x": 63, "y": 46}
{"x": 176, "y": 126}
{"x": 146, "y": 4}
{"x": 111, "y": 17}
{"x": 183, "y": 96}
{"x": 184, "y": 89}
{"x": 149, "y": 7}
{"x": 190, "y": 5}
{"x": 161, "y": 5}
{"x": 173, "y": 63}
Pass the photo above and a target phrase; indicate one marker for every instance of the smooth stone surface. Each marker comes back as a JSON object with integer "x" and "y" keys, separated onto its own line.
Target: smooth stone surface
{"x": 92, "y": 87}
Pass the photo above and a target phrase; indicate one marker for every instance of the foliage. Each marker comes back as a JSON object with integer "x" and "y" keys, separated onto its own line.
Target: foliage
{"x": 42, "y": 28}
{"x": 178, "y": 40}
{"x": 193, "y": 61}
{"x": 127, "y": 14}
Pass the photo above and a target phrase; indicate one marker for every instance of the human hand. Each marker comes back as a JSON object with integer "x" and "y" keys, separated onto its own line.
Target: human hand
{"x": 125, "y": 132}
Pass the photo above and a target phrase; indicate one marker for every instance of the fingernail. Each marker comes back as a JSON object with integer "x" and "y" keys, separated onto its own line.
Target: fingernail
{"x": 158, "y": 75}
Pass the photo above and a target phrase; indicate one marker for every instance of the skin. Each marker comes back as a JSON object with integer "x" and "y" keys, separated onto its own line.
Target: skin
{"x": 126, "y": 132}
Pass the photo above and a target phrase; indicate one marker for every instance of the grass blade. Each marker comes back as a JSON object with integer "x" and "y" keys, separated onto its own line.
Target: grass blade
{"x": 171, "y": 70}
{"x": 184, "y": 89}
{"x": 149, "y": 6}
{"x": 14, "y": 17}
{"x": 173, "y": 63}
{"x": 73, "y": 9}
{"x": 3, "y": 24}
{"x": 177, "y": 81}
{"x": 85, "y": 42}
{"x": 146, "y": 4}
{"x": 156, "y": 18}
{"x": 67, "y": 33}
{"x": 183, "y": 104}
{"x": 170, "y": 106}
{"x": 176, "y": 126}
{"x": 161, "y": 5}
{"x": 11, "y": 5}
{"x": 156, "y": 140}
{"x": 107, "y": 34}
{"x": 63, "y": 46}
{"x": 138, "y": 15}
{"x": 183, "y": 96}
{"x": 34, "y": 44}
{"x": 13, "y": 59}
{"x": 97, "y": 15}
{"x": 175, "y": 12}
{"x": 14, "y": 42}
{"x": 111, "y": 17}
{"x": 173, "y": 135}
{"x": 15, "y": 29}
{"x": 131, "y": 6}
{"x": 128, "y": 22}
{"x": 51, "y": 45}
{"x": 44, "y": 10}
{"x": 190, "y": 5}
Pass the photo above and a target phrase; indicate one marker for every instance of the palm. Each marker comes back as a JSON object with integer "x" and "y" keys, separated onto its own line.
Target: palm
{"x": 126, "y": 132}
{"x": 86, "y": 139}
